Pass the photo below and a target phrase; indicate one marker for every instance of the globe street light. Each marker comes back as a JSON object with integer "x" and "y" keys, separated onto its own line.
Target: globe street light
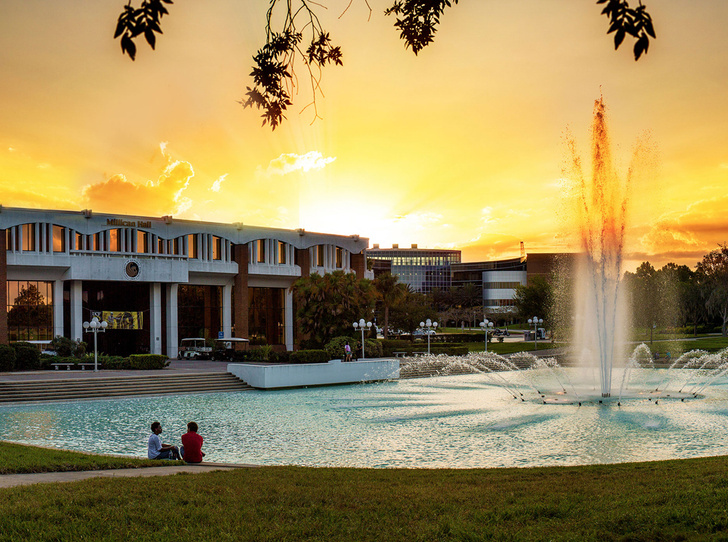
{"x": 428, "y": 325}
{"x": 95, "y": 327}
{"x": 362, "y": 325}
{"x": 536, "y": 321}
{"x": 485, "y": 324}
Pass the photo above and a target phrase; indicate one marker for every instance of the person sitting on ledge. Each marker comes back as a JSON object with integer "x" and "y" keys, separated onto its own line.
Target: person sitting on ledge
{"x": 157, "y": 450}
{"x": 191, "y": 449}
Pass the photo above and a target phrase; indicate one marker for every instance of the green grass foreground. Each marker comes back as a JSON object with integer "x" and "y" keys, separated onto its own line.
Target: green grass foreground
{"x": 18, "y": 459}
{"x": 659, "y": 501}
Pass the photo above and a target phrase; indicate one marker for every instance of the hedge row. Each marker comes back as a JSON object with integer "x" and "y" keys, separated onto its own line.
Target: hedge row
{"x": 134, "y": 362}
{"x": 299, "y": 356}
{"x": 19, "y": 356}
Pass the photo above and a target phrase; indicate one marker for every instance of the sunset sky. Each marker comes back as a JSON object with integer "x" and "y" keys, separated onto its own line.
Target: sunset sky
{"x": 461, "y": 147}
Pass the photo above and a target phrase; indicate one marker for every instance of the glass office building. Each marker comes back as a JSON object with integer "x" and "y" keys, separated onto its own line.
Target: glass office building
{"x": 423, "y": 269}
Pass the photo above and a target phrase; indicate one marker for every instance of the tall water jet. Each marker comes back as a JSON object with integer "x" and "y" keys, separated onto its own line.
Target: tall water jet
{"x": 601, "y": 217}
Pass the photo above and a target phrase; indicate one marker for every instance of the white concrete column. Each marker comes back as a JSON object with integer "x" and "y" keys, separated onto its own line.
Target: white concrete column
{"x": 58, "y": 308}
{"x": 172, "y": 339}
{"x": 288, "y": 319}
{"x": 77, "y": 310}
{"x": 155, "y": 315}
{"x": 227, "y": 310}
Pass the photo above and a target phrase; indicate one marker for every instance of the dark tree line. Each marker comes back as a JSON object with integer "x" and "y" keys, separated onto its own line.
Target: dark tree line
{"x": 297, "y": 35}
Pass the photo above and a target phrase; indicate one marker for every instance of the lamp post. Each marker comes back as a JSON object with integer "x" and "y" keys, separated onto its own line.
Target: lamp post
{"x": 536, "y": 321}
{"x": 485, "y": 324}
{"x": 95, "y": 327}
{"x": 362, "y": 325}
{"x": 428, "y": 325}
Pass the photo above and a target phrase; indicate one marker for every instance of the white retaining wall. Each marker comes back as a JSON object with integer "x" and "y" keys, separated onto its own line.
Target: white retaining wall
{"x": 315, "y": 374}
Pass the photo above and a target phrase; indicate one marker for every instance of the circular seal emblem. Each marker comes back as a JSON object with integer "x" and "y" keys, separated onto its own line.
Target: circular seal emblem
{"x": 132, "y": 269}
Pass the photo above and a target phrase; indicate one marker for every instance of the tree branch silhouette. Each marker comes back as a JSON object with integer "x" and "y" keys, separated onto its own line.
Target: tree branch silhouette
{"x": 274, "y": 75}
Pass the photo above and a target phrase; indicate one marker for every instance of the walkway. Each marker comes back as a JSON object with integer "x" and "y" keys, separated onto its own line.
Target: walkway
{"x": 175, "y": 367}
{"x": 12, "y": 480}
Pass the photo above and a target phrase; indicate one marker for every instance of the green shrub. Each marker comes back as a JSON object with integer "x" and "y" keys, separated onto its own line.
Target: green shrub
{"x": 280, "y": 357}
{"x": 335, "y": 348}
{"x": 114, "y": 363}
{"x": 7, "y": 357}
{"x": 309, "y": 356}
{"x": 27, "y": 356}
{"x": 147, "y": 361}
{"x": 66, "y": 347}
{"x": 449, "y": 350}
{"x": 373, "y": 348}
{"x": 46, "y": 360}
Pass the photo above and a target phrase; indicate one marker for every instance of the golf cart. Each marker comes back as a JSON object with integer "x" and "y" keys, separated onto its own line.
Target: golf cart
{"x": 194, "y": 348}
{"x": 225, "y": 349}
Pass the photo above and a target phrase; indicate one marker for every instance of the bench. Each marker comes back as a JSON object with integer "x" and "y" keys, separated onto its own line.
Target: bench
{"x": 399, "y": 354}
{"x": 84, "y": 365}
{"x": 66, "y": 365}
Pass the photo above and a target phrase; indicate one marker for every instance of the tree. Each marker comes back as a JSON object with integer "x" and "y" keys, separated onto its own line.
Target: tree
{"x": 389, "y": 291}
{"x": 643, "y": 286}
{"x": 273, "y": 73}
{"x": 328, "y": 305}
{"x": 411, "y": 309}
{"x": 712, "y": 276}
{"x": 534, "y": 299}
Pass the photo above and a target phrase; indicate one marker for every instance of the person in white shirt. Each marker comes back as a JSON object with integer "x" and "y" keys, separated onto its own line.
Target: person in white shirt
{"x": 157, "y": 450}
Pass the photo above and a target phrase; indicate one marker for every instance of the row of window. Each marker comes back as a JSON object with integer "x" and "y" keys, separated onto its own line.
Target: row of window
{"x": 501, "y": 285}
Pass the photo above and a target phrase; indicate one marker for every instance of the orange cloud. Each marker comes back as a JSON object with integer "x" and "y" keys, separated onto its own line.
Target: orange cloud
{"x": 163, "y": 197}
{"x": 685, "y": 236}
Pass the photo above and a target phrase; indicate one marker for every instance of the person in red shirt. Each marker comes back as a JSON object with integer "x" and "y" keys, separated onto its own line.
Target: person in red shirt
{"x": 191, "y": 450}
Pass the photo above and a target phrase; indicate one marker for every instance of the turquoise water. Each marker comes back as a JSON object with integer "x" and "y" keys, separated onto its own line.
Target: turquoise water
{"x": 458, "y": 421}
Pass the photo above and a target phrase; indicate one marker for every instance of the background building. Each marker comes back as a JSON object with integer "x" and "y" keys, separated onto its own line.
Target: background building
{"x": 156, "y": 280}
{"x": 498, "y": 279}
{"x": 422, "y": 269}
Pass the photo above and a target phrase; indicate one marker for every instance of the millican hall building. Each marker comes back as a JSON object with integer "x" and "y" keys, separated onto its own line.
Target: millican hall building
{"x": 156, "y": 280}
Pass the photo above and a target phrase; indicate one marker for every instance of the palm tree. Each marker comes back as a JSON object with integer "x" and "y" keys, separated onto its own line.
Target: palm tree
{"x": 389, "y": 290}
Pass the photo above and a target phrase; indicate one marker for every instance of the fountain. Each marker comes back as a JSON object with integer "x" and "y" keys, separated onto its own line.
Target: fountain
{"x": 601, "y": 218}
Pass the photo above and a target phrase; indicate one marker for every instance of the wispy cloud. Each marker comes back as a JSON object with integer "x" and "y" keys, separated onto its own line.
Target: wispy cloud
{"x": 288, "y": 163}
{"x": 218, "y": 182}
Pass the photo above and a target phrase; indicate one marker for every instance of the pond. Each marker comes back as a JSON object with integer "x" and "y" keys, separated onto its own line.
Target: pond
{"x": 454, "y": 422}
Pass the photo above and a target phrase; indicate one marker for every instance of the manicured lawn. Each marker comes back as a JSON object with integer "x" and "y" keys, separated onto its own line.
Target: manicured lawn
{"x": 710, "y": 344}
{"x": 17, "y": 458}
{"x": 671, "y": 500}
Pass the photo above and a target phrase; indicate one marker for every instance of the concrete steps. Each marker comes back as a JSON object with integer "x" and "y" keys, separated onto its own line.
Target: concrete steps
{"x": 101, "y": 388}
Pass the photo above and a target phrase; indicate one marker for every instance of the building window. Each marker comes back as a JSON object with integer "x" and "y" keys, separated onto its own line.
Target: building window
{"x": 28, "y": 232}
{"x": 319, "y": 255}
{"x": 142, "y": 242}
{"x": 175, "y": 246}
{"x": 97, "y": 242}
{"x": 339, "y": 258}
{"x": 192, "y": 246}
{"x": 115, "y": 240}
{"x": 281, "y": 253}
{"x": 161, "y": 246}
{"x": 266, "y": 315}
{"x": 59, "y": 239}
{"x": 200, "y": 311}
{"x": 30, "y": 310}
{"x": 216, "y": 248}
{"x": 78, "y": 240}
{"x": 260, "y": 243}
